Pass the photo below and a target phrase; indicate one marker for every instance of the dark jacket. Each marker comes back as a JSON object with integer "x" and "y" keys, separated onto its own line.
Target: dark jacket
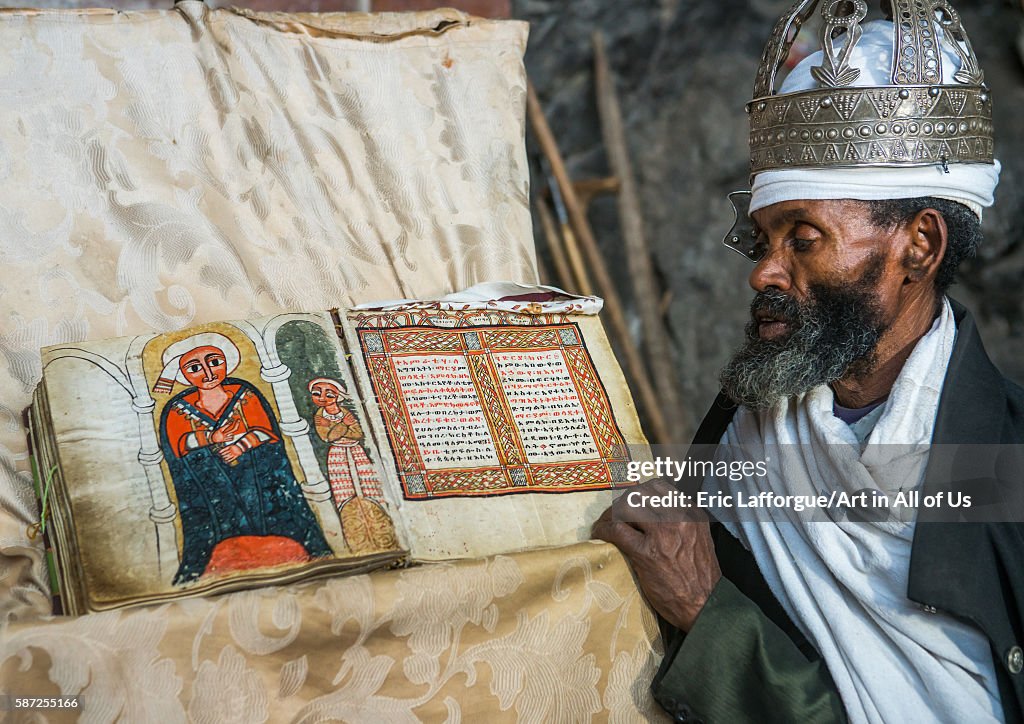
{"x": 745, "y": 660}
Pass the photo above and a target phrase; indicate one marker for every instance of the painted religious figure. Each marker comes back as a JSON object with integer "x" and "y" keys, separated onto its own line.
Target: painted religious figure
{"x": 353, "y": 477}
{"x": 240, "y": 504}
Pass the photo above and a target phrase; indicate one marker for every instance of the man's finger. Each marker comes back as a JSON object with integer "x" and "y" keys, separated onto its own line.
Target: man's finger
{"x": 636, "y": 516}
{"x": 622, "y": 535}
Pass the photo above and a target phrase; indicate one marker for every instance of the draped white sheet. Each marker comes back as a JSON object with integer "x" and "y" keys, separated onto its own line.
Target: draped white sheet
{"x": 163, "y": 169}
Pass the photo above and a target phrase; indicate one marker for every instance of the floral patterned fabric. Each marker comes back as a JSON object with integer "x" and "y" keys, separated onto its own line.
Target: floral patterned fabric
{"x": 164, "y": 169}
{"x": 548, "y": 636}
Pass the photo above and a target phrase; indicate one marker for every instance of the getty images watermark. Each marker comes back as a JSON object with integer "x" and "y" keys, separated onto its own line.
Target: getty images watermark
{"x": 940, "y": 483}
{"x": 766, "y": 499}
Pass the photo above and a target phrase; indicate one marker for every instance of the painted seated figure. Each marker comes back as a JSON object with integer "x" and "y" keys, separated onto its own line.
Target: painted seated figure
{"x": 240, "y": 504}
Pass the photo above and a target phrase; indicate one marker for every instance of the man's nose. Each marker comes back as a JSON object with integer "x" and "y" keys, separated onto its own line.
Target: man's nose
{"x": 771, "y": 271}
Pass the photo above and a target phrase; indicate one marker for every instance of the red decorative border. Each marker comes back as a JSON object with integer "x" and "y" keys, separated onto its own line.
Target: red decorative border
{"x": 514, "y": 474}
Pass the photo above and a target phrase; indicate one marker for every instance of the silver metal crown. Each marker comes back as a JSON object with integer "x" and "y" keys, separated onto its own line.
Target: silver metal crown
{"x": 916, "y": 121}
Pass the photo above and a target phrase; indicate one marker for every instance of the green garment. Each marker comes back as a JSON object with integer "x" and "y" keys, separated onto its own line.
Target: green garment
{"x": 735, "y": 666}
{"x": 743, "y": 660}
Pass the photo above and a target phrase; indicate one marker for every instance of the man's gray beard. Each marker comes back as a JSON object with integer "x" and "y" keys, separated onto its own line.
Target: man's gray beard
{"x": 835, "y": 333}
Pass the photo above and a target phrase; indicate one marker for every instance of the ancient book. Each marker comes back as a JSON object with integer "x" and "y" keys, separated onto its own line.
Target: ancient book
{"x": 265, "y": 451}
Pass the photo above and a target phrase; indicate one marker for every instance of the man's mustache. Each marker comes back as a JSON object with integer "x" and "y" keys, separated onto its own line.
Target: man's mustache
{"x": 777, "y": 304}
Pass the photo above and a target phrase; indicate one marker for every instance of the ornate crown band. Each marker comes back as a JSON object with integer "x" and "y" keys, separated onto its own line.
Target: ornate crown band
{"x": 918, "y": 120}
{"x": 909, "y": 125}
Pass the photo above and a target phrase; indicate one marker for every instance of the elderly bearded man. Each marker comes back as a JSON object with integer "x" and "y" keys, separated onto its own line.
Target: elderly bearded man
{"x": 870, "y": 175}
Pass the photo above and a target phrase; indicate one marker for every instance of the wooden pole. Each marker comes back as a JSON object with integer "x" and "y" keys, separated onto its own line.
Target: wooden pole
{"x": 612, "y": 303}
{"x": 547, "y": 224}
{"x": 572, "y": 247}
{"x": 586, "y": 189}
{"x": 645, "y": 287}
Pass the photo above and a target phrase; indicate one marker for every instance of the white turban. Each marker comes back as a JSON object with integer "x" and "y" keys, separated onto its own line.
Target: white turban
{"x": 972, "y": 184}
{"x": 329, "y": 382}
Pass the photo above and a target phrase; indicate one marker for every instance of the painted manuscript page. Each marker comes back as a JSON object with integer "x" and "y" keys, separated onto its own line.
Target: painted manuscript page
{"x": 154, "y": 508}
{"x": 506, "y": 431}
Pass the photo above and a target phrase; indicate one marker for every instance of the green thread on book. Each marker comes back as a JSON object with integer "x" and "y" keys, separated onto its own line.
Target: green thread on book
{"x": 51, "y": 567}
{"x": 39, "y": 528}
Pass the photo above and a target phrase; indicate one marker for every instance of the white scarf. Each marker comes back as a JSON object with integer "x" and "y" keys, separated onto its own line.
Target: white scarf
{"x": 845, "y": 583}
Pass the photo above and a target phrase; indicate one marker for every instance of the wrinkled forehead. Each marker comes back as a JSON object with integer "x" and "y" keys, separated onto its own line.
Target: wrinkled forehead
{"x": 821, "y": 211}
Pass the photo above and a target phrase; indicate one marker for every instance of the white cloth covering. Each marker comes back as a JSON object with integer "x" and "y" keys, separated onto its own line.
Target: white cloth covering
{"x": 844, "y": 583}
{"x": 506, "y": 296}
{"x": 972, "y": 184}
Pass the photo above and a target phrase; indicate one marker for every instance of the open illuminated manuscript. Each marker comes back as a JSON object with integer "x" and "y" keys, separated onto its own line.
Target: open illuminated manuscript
{"x": 244, "y": 453}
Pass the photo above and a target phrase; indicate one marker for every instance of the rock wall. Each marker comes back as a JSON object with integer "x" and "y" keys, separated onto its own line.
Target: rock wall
{"x": 684, "y": 70}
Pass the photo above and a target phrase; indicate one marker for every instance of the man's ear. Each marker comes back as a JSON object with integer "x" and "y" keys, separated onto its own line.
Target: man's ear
{"x": 927, "y": 236}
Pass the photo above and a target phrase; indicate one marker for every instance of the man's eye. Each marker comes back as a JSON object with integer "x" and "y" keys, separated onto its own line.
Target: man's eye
{"x": 193, "y": 368}
{"x": 802, "y": 244}
{"x": 216, "y": 362}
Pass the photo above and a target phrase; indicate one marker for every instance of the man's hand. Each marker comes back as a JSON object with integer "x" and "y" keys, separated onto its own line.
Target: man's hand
{"x": 674, "y": 560}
